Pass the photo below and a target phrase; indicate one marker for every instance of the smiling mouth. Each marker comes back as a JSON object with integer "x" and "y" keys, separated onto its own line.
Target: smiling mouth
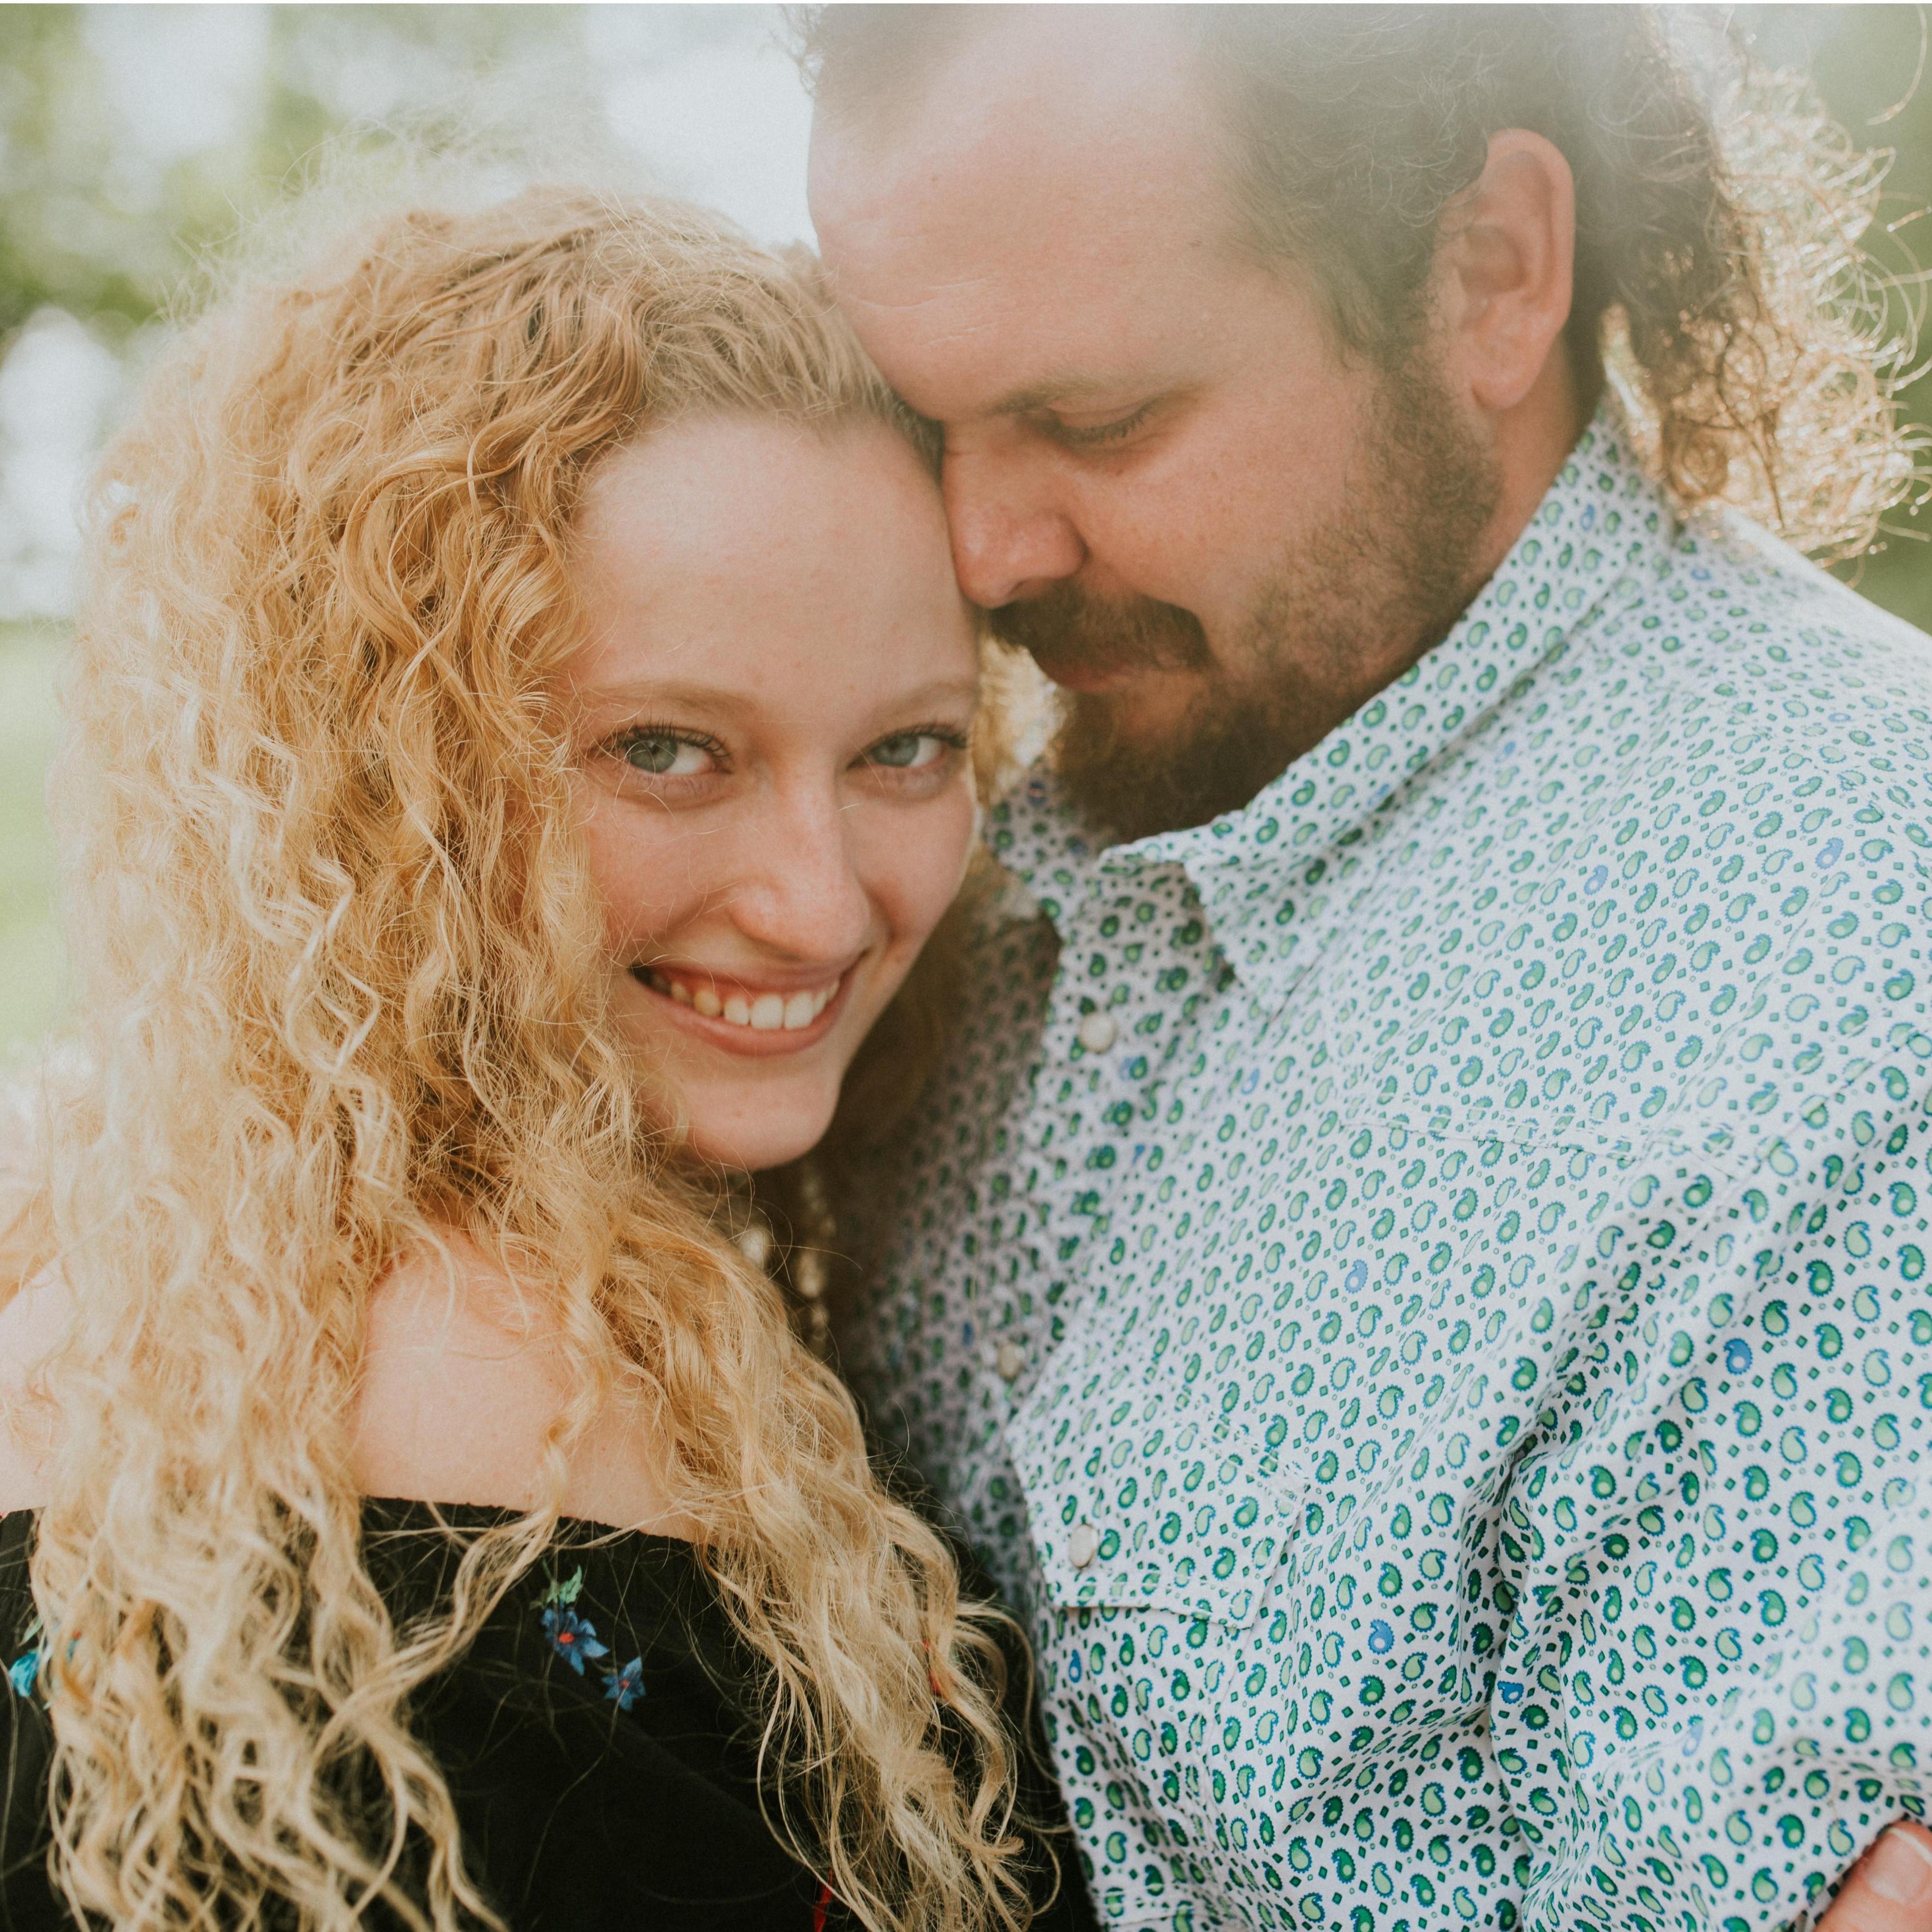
{"x": 743, "y": 1006}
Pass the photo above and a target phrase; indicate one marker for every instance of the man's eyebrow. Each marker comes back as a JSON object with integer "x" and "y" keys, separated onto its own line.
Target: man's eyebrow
{"x": 1052, "y": 391}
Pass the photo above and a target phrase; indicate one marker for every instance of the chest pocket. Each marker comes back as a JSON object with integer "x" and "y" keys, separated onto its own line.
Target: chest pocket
{"x": 1142, "y": 1491}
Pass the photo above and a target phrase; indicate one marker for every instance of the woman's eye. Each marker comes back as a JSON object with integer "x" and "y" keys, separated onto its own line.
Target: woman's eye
{"x": 665, "y": 757}
{"x": 909, "y": 751}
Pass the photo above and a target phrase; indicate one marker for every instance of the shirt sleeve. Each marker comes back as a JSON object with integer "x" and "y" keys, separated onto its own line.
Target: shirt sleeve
{"x": 1711, "y": 1548}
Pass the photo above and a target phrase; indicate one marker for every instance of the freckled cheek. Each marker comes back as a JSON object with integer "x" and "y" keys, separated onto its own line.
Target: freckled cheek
{"x": 638, "y": 878}
{"x": 913, "y": 873}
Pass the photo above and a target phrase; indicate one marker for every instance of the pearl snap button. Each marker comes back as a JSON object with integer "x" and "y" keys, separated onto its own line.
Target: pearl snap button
{"x": 1098, "y": 1032}
{"x": 1009, "y": 1361}
{"x": 1083, "y": 1546}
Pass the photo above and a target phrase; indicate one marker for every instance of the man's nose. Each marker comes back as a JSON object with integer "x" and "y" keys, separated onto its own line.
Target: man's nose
{"x": 1011, "y": 538}
{"x": 799, "y": 892}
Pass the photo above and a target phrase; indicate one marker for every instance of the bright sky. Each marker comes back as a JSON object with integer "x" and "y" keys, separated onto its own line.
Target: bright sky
{"x": 721, "y": 115}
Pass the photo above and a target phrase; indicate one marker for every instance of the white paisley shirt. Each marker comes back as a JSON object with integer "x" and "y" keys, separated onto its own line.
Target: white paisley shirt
{"x": 1417, "y": 1288}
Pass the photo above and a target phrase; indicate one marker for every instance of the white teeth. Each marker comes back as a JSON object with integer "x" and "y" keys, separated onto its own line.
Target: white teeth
{"x": 763, "y": 1013}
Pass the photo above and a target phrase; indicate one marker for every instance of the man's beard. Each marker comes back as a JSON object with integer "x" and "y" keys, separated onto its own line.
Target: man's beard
{"x": 1351, "y": 607}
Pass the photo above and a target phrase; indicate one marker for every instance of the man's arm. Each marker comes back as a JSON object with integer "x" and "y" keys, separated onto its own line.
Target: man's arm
{"x": 1716, "y": 1688}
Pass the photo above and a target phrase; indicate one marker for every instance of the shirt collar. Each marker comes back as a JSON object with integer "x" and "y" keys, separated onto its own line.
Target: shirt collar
{"x": 1596, "y": 537}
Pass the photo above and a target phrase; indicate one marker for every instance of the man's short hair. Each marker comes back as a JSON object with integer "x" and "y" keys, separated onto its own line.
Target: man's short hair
{"x": 1719, "y": 277}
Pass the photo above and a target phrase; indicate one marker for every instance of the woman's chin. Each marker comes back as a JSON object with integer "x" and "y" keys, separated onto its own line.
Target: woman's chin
{"x": 769, "y": 1132}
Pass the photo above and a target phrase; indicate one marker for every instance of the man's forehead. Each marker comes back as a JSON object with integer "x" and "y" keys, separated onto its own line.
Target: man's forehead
{"x": 1011, "y": 233}
{"x": 1004, "y": 67}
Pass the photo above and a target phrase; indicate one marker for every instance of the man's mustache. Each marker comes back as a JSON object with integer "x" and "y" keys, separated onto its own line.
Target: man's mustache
{"x": 1067, "y": 631}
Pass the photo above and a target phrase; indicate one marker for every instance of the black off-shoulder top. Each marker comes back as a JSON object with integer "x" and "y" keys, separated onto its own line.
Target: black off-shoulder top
{"x": 599, "y": 1738}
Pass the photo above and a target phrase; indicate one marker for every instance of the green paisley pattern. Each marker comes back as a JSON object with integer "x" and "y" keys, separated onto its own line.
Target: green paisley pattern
{"x": 1418, "y": 1288}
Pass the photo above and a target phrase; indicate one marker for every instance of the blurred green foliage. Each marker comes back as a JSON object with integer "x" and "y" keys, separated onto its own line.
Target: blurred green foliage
{"x": 93, "y": 219}
{"x": 104, "y": 217}
{"x": 102, "y": 212}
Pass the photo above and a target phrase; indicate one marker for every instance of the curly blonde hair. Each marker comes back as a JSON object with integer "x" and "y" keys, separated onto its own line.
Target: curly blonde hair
{"x": 339, "y": 991}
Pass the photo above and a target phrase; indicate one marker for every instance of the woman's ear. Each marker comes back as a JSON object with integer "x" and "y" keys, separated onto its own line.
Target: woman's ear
{"x": 1504, "y": 269}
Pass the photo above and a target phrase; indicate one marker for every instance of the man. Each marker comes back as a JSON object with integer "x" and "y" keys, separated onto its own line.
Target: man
{"x": 1413, "y": 1275}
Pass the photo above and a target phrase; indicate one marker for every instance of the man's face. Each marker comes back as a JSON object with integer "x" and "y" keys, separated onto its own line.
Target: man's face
{"x": 1217, "y": 533}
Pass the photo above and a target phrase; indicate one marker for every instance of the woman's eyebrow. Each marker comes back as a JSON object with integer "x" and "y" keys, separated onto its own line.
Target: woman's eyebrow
{"x": 936, "y": 691}
{"x": 632, "y": 695}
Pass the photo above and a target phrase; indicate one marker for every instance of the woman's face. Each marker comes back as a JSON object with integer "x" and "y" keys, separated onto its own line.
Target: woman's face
{"x": 771, "y": 708}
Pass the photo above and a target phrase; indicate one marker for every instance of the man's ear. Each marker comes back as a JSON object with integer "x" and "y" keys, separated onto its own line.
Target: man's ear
{"x": 1504, "y": 269}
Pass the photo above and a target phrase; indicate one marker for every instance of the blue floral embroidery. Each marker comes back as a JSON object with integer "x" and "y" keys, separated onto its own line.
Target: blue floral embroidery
{"x": 571, "y": 1636}
{"x": 575, "y": 1638}
{"x": 626, "y": 1686}
{"x": 23, "y": 1673}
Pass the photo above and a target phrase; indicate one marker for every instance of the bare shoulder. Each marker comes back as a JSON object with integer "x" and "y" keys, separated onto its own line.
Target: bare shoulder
{"x": 33, "y": 1324}
{"x": 460, "y": 1383}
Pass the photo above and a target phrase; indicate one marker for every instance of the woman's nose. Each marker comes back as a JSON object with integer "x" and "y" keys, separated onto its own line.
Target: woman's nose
{"x": 799, "y": 891}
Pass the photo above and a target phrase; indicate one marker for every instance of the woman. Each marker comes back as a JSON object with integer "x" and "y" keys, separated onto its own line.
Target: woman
{"x": 519, "y": 745}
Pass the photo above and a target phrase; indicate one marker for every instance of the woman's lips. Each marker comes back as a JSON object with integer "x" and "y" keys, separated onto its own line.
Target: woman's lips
{"x": 743, "y": 1018}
